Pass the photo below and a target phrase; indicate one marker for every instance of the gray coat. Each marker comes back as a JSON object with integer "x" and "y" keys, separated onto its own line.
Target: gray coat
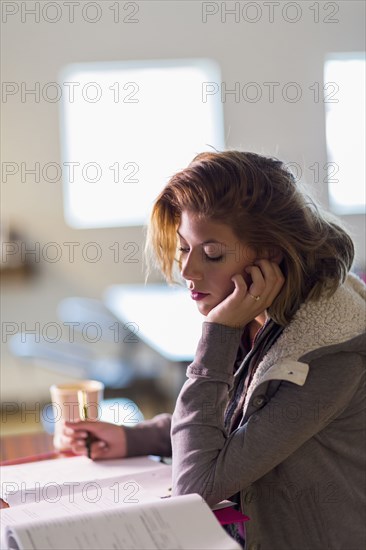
{"x": 298, "y": 457}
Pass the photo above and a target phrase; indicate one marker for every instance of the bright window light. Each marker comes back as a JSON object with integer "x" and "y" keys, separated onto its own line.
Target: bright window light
{"x": 126, "y": 128}
{"x": 345, "y": 131}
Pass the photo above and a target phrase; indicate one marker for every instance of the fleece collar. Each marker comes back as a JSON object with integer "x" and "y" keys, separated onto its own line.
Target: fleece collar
{"x": 317, "y": 324}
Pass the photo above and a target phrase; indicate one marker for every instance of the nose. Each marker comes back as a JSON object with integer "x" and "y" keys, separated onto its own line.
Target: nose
{"x": 191, "y": 269}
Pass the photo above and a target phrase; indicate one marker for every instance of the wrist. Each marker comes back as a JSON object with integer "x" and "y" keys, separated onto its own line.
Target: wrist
{"x": 122, "y": 442}
{"x": 226, "y": 322}
{"x": 214, "y": 332}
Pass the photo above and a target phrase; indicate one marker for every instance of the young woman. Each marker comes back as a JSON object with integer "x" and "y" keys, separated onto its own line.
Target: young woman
{"x": 273, "y": 412}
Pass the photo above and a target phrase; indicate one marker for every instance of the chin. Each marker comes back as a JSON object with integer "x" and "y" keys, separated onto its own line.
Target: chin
{"x": 204, "y": 309}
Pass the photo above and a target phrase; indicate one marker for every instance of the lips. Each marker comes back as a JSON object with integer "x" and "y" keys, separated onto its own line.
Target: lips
{"x": 198, "y": 295}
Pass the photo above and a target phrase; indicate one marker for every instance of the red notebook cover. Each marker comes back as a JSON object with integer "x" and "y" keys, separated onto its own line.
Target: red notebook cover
{"x": 229, "y": 515}
{"x": 37, "y": 458}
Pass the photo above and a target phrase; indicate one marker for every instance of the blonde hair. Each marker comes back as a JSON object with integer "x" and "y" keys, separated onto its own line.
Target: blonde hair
{"x": 258, "y": 198}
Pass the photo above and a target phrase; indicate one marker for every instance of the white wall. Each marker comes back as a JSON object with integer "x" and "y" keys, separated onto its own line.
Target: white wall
{"x": 247, "y": 52}
{"x": 259, "y": 52}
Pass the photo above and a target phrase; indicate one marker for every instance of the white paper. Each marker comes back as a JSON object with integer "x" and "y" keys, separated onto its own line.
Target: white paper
{"x": 49, "y": 493}
{"x": 94, "y": 500}
{"x": 184, "y": 522}
{"x": 52, "y": 479}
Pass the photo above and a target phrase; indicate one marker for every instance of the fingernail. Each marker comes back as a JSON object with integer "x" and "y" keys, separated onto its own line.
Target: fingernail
{"x": 101, "y": 445}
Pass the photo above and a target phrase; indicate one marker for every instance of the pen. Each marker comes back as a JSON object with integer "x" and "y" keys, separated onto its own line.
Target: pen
{"x": 169, "y": 491}
{"x": 83, "y": 412}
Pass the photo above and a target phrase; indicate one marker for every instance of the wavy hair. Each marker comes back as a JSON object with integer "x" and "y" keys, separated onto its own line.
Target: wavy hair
{"x": 259, "y": 199}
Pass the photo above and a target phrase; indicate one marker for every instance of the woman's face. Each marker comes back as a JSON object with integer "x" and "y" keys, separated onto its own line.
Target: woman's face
{"x": 211, "y": 254}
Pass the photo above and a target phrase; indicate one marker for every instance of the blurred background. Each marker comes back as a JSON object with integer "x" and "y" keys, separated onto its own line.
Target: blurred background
{"x": 101, "y": 103}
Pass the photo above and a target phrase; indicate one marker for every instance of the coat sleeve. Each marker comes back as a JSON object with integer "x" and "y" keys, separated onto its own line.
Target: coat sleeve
{"x": 208, "y": 461}
{"x": 150, "y": 437}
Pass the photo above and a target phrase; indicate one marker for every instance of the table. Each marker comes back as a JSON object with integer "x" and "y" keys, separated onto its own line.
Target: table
{"x": 15, "y": 447}
{"x": 22, "y": 445}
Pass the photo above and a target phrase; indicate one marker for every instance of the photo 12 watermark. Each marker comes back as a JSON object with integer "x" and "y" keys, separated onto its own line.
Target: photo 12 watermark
{"x": 69, "y": 172}
{"x": 53, "y": 252}
{"x": 69, "y": 92}
{"x": 53, "y": 331}
{"x": 271, "y": 92}
{"x": 270, "y": 12}
{"x": 72, "y": 491}
{"x": 126, "y": 413}
{"x": 71, "y": 12}
{"x": 324, "y": 491}
{"x": 270, "y": 412}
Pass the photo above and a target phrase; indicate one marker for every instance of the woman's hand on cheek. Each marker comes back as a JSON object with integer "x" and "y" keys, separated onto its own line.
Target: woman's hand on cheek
{"x": 245, "y": 303}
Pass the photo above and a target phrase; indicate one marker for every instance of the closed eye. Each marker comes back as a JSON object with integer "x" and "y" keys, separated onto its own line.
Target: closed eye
{"x": 209, "y": 258}
{"x": 212, "y": 259}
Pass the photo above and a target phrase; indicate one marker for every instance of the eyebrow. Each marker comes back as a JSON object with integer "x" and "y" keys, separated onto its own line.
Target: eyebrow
{"x": 208, "y": 241}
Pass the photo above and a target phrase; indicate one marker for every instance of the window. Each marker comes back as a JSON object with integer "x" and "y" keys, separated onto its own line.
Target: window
{"x": 127, "y": 127}
{"x": 345, "y": 131}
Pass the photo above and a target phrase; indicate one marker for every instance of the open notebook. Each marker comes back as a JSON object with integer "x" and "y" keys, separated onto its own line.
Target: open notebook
{"x": 77, "y": 503}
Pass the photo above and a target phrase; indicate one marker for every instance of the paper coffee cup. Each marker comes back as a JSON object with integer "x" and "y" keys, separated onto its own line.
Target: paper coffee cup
{"x": 75, "y": 401}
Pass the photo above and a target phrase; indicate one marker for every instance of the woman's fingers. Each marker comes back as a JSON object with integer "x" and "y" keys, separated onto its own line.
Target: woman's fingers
{"x": 98, "y": 449}
{"x": 75, "y": 439}
{"x": 240, "y": 284}
{"x": 258, "y": 283}
{"x": 247, "y": 301}
{"x": 82, "y": 425}
{"x": 108, "y": 440}
{"x": 74, "y": 433}
{"x": 79, "y": 447}
{"x": 267, "y": 281}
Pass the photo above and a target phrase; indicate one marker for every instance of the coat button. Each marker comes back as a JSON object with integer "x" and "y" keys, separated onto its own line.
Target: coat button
{"x": 259, "y": 400}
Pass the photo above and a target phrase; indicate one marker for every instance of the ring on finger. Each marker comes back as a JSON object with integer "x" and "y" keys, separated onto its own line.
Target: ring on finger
{"x": 256, "y": 298}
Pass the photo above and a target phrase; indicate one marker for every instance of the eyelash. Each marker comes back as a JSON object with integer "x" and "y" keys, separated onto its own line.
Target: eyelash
{"x": 185, "y": 250}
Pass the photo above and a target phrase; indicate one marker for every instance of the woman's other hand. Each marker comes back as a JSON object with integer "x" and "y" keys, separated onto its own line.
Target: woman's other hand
{"x": 108, "y": 440}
